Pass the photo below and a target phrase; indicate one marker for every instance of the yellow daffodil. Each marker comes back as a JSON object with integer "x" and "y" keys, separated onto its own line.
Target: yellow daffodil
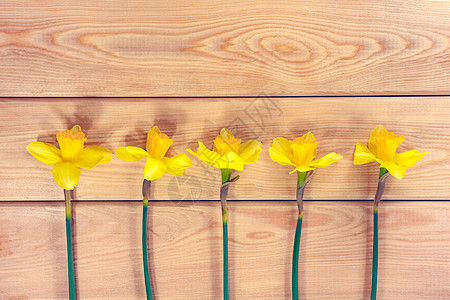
{"x": 228, "y": 152}
{"x": 300, "y": 153}
{"x": 382, "y": 148}
{"x": 157, "y": 164}
{"x": 70, "y": 157}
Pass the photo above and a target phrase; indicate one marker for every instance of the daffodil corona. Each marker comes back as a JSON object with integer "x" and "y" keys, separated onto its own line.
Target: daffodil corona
{"x": 70, "y": 157}
{"x": 382, "y": 148}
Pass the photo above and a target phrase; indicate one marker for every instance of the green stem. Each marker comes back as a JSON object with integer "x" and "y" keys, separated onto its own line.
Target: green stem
{"x": 302, "y": 180}
{"x": 298, "y": 233}
{"x": 225, "y": 260}
{"x": 226, "y": 175}
{"x": 381, "y": 185}
{"x": 70, "y": 268}
{"x": 383, "y": 172}
{"x": 373, "y": 292}
{"x": 146, "y": 194}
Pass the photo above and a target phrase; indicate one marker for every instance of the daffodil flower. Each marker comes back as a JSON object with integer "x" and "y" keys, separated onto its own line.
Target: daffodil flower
{"x": 300, "y": 153}
{"x": 156, "y": 166}
{"x": 67, "y": 161}
{"x": 228, "y": 154}
{"x": 70, "y": 157}
{"x": 382, "y": 148}
{"x": 157, "y": 163}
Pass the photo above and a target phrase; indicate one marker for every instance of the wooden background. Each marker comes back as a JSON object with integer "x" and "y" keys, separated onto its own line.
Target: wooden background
{"x": 262, "y": 69}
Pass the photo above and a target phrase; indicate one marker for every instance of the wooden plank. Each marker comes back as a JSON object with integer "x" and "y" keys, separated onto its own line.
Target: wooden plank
{"x": 338, "y": 123}
{"x": 233, "y": 48}
{"x": 185, "y": 250}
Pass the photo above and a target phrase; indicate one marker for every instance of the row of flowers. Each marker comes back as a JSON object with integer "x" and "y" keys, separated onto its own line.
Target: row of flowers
{"x": 228, "y": 154}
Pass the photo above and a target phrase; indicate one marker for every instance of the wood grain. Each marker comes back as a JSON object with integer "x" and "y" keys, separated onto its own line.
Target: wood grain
{"x": 185, "y": 250}
{"x": 338, "y": 123}
{"x": 232, "y": 48}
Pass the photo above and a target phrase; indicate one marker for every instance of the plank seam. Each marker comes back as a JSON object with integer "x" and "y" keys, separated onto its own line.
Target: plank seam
{"x": 230, "y": 97}
{"x": 213, "y": 200}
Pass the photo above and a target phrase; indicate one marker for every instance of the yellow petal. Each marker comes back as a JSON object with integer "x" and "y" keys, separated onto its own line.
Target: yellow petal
{"x": 230, "y": 160}
{"x": 303, "y": 153}
{"x": 394, "y": 169}
{"x": 154, "y": 131}
{"x": 278, "y": 156}
{"x": 92, "y": 156}
{"x": 249, "y": 151}
{"x": 309, "y": 138}
{"x": 362, "y": 155}
{"x": 177, "y": 164}
{"x": 66, "y": 175}
{"x": 157, "y": 143}
{"x": 131, "y": 153}
{"x": 284, "y": 146}
{"x": 226, "y": 134}
{"x": 154, "y": 169}
{"x": 204, "y": 154}
{"x": 326, "y": 160}
{"x": 44, "y": 152}
{"x": 409, "y": 158}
